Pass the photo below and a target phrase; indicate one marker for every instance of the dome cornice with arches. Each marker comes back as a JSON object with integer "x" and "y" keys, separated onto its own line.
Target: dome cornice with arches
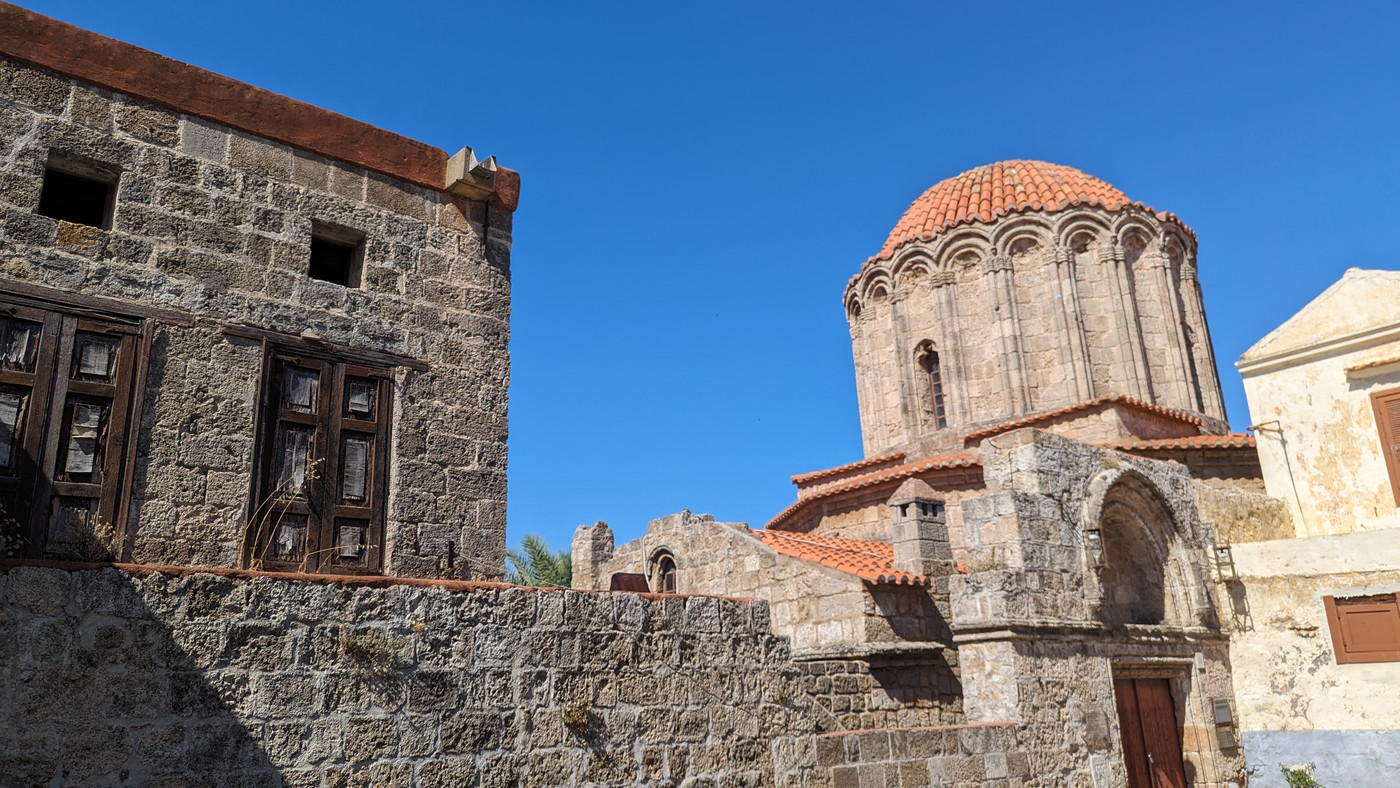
{"x": 999, "y": 210}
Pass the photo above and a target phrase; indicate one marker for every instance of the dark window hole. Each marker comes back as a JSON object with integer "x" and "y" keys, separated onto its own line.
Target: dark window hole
{"x": 73, "y": 198}
{"x": 332, "y": 261}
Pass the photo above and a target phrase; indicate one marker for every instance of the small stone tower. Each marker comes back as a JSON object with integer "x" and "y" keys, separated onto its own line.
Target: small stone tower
{"x": 1021, "y": 287}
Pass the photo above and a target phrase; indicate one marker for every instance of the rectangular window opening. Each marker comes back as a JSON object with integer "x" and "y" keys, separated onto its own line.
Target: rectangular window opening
{"x": 79, "y": 199}
{"x": 336, "y": 256}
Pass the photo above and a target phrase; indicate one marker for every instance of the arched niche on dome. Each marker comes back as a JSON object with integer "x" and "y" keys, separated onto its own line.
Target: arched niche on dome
{"x": 853, "y": 307}
{"x": 1135, "y": 240}
{"x": 1081, "y": 231}
{"x": 911, "y": 267}
{"x": 1144, "y": 575}
{"x": 1020, "y": 235}
{"x": 877, "y": 288}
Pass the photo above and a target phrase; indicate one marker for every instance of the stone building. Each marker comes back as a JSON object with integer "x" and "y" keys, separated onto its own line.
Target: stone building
{"x": 1033, "y": 537}
{"x": 240, "y": 330}
{"x": 1317, "y": 664}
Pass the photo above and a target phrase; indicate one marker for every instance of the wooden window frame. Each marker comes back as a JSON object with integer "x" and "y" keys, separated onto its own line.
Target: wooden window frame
{"x": 55, "y": 387}
{"x": 323, "y": 504}
{"x": 1339, "y": 624}
{"x": 1390, "y": 437}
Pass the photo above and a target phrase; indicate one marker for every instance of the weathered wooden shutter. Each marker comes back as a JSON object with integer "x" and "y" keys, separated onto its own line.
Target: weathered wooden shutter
{"x": 1364, "y": 629}
{"x": 1387, "y": 408}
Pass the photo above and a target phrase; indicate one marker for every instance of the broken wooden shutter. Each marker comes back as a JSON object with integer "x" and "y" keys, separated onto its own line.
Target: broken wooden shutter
{"x": 1386, "y": 405}
{"x": 320, "y": 499}
{"x": 1364, "y": 629}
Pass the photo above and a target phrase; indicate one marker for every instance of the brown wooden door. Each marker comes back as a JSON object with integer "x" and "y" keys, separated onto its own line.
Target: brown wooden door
{"x": 1151, "y": 748}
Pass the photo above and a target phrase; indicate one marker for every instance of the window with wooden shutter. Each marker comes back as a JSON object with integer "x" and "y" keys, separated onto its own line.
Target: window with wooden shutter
{"x": 66, "y": 399}
{"x": 1387, "y": 408}
{"x": 1364, "y": 628}
{"x": 323, "y": 467}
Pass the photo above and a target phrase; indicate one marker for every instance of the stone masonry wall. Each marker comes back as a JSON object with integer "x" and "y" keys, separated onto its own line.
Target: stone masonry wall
{"x": 217, "y": 224}
{"x": 131, "y": 676}
{"x": 970, "y": 756}
{"x": 1033, "y": 312}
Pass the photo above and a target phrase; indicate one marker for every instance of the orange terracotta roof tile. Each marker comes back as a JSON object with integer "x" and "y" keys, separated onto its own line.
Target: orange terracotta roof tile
{"x": 1235, "y": 440}
{"x": 872, "y": 562}
{"x": 898, "y": 472}
{"x": 888, "y": 458}
{"x": 989, "y": 192}
{"x": 1048, "y": 415}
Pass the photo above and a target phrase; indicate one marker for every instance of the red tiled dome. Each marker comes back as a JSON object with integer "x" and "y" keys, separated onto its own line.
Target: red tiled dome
{"x": 994, "y": 190}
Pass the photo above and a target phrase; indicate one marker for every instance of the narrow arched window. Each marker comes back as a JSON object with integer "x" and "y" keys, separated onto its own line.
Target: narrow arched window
{"x": 935, "y": 388}
{"x": 666, "y": 575}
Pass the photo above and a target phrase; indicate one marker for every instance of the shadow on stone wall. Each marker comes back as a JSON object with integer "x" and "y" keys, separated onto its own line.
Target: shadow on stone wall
{"x": 98, "y": 689}
{"x": 138, "y": 676}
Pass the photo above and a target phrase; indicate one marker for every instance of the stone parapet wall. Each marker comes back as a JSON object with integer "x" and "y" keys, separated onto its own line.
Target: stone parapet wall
{"x": 128, "y": 675}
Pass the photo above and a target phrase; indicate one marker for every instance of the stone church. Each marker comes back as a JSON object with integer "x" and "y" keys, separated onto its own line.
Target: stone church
{"x": 253, "y": 446}
{"x": 1031, "y": 536}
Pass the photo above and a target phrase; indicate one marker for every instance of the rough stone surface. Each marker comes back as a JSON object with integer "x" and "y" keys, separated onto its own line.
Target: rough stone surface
{"x": 1035, "y": 312}
{"x": 109, "y": 677}
{"x": 217, "y": 224}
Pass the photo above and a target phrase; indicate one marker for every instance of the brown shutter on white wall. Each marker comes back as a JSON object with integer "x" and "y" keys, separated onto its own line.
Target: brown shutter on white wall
{"x": 1387, "y": 408}
{"x": 1364, "y": 629}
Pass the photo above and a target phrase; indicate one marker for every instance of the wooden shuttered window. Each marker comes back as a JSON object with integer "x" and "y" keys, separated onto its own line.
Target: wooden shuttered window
{"x": 319, "y": 499}
{"x": 66, "y": 403}
{"x": 1386, "y": 405}
{"x": 1364, "y": 628}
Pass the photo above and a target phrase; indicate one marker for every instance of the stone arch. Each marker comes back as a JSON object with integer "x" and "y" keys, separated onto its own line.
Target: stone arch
{"x": 965, "y": 247}
{"x": 912, "y": 263}
{"x": 1081, "y": 230}
{"x": 1146, "y": 576}
{"x": 931, "y": 383}
{"x": 1011, "y": 236}
{"x": 663, "y": 571}
{"x": 877, "y": 286}
{"x": 853, "y": 306}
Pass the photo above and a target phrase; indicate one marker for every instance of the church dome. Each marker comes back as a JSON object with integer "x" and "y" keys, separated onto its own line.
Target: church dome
{"x": 994, "y": 190}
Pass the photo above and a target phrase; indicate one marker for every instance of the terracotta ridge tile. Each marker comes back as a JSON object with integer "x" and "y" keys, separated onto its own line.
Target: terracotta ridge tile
{"x": 1235, "y": 440}
{"x": 1046, "y": 415}
{"x": 889, "y": 456}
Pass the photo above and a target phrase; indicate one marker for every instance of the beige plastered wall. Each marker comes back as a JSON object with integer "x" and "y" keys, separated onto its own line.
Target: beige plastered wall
{"x": 1319, "y": 448}
{"x": 1286, "y": 674}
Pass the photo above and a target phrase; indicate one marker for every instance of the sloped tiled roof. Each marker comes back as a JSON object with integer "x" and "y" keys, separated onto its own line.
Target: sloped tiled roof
{"x": 1049, "y": 415}
{"x": 1235, "y": 440}
{"x": 898, "y": 472}
{"x": 872, "y": 562}
{"x": 995, "y": 190}
{"x": 888, "y": 458}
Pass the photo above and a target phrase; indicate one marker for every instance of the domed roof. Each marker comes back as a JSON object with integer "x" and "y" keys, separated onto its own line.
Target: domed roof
{"x": 995, "y": 190}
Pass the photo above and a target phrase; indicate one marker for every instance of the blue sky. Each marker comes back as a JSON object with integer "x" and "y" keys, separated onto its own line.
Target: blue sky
{"x": 700, "y": 180}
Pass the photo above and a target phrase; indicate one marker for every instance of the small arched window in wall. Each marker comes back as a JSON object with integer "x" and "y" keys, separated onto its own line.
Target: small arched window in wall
{"x": 938, "y": 406}
{"x": 666, "y": 574}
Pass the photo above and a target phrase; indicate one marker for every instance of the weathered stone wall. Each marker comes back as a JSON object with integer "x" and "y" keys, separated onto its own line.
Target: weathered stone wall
{"x": 875, "y": 656}
{"x": 818, "y": 607}
{"x": 1040, "y": 634}
{"x": 217, "y": 224}
{"x": 975, "y": 756}
{"x": 891, "y": 691}
{"x": 1031, "y": 313}
{"x": 1295, "y": 703}
{"x": 171, "y": 678}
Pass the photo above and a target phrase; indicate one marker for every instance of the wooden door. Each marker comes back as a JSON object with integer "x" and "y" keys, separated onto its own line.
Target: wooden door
{"x": 1151, "y": 748}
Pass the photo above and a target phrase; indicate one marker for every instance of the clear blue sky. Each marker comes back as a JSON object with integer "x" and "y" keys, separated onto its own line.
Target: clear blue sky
{"x": 701, "y": 179}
